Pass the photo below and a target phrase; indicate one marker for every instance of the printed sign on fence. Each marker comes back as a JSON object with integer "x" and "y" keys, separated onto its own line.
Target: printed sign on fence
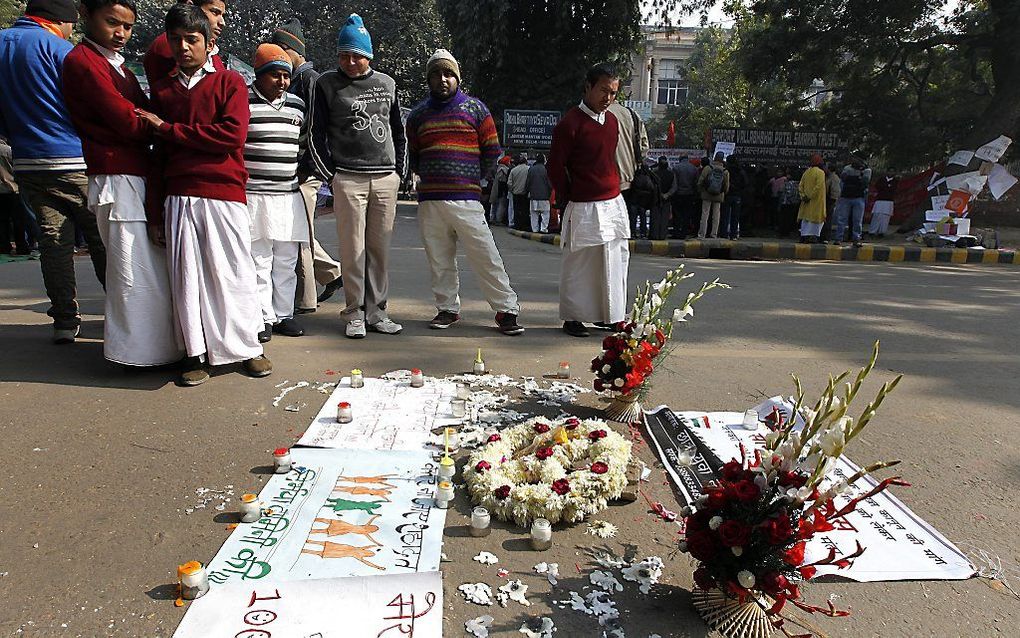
{"x": 388, "y": 414}
{"x": 899, "y": 545}
{"x": 765, "y": 146}
{"x": 529, "y": 129}
{"x": 339, "y": 513}
{"x": 409, "y": 605}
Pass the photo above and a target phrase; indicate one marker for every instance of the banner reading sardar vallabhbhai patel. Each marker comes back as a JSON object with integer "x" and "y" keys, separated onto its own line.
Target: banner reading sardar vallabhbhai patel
{"x": 782, "y": 148}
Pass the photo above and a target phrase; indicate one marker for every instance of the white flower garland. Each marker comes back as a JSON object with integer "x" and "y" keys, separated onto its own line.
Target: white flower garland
{"x": 525, "y": 488}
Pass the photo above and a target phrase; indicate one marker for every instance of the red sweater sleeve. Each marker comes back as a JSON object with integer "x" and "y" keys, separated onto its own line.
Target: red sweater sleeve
{"x": 488, "y": 143}
{"x": 562, "y": 143}
{"x": 155, "y": 183}
{"x": 228, "y": 132}
{"x": 158, "y": 61}
{"x": 97, "y": 108}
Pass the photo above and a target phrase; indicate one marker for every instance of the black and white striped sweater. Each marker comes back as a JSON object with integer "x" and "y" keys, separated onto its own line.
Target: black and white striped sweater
{"x": 275, "y": 137}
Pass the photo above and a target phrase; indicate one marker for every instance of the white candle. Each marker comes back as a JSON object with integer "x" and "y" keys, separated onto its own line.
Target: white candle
{"x": 281, "y": 460}
{"x": 459, "y": 407}
{"x": 251, "y": 508}
{"x": 344, "y": 414}
{"x": 357, "y": 379}
{"x": 463, "y": 391}
{"x": 480, "y": 520}
{"x": 479, "y": 364}
{"x": 447, "y": 469}
{"x": 750, "y": 421}
{"x": 193, "y": 579}
{"x": 541, "y": 534}
{"x": 684, "y": 458}
{"x": 444, "y": 495}
{"x": 564, "y": 371}
{"x": 417, "y": 378}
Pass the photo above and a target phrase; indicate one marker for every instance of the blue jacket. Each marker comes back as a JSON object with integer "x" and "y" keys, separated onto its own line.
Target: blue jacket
{"x": 33, "y": 116}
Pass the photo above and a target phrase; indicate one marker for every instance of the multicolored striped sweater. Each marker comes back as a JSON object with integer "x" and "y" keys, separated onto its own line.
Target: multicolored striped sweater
{"x": 451, "y": 145}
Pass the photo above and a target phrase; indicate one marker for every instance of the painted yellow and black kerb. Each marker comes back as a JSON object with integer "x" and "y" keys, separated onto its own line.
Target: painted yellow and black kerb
{"x": 726, "y": 249}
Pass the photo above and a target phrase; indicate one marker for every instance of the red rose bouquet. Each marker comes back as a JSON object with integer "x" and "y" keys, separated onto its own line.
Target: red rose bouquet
{"x": 628, "y": 356}
{"x": 749, "y": 529}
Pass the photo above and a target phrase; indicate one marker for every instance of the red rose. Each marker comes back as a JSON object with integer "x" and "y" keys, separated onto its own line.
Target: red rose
{"x": 609, "y": 343}
{"x": 732, "y": 470}
{"x": 716, "y": 498}
{"x": 494, "y": 437}
{"x": 795, "y": 555}
{"x": 792, "y": 479}
{"x": 481, "y": 466}
{"x": 561, "y": 486}
{"x": 573, "y": 422}
{"x": 543, "y": 453}
{"x": 596, "y": 364}
{"x": 599, "y": 387}
{"x": 502, "y": 492}
{"x": 541, "y": 428}
{"x": 595, "y": 435}
{"x": 698, "y": 521}
{"x": 746, "y": 491}
{"x": 598, "y": 467}
{"x": 778, "y": 530}
{"x": 773, "y": 583}
{"x": 703, "y": 579}
{"x": 702, "y": 546}
{"x": 734, "y": 533}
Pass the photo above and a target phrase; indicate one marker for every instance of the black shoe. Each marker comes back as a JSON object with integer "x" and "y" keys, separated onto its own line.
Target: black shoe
{"x": 289, "y": 328}
{"x": 331, "y": 289}
{"x": 266, "y": 335}
{"x": 193, "y": 372}
{"x": 444, "y": 320}
{"x": 303, "y": 311}
{"x": 507, "y": 323}
{"x": 575, "y": 329}
{"x": 858, "y": 243}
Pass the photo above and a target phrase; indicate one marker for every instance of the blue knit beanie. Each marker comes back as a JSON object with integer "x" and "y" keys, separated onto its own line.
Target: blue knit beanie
{"x": 354, "y": 37}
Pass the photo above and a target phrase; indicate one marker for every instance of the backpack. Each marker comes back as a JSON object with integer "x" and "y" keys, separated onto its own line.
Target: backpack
{"x": 791, "y": 193}
{"x": 715, "y": 180}
{"x": 643, "y": 182}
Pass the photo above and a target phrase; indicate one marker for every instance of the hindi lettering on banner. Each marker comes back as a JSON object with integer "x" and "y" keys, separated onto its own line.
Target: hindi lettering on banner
{"x": 726, "y": 148}
{"x": 529, "y": 129}
{"x": 764, "y": 146}
{"x": 899, "y": 545}
{"x": 673, "y": 155}
{"x": 388, "y": 415}
{"x": 339, "y": 513}
{"x": 409, "y": 605}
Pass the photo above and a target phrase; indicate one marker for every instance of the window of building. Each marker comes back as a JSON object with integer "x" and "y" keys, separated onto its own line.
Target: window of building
{"x": 672, "y": 92}
{"x": 671, "y": 69}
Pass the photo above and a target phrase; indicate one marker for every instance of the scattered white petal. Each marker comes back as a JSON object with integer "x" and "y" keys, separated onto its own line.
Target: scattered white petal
{"x": 601, "y": 529}
{"x": 486, "y": 558}
{"x": 479, "y": 627}
{"x": 551, "y": 571}
{"x": 477, "y": 593}
{"x": 502, "y": 573}
{"x": 545, "y": 629}
{"x": 646, "y": 573}
{"x": 609, "y": 561}
{"x": 513, "y": 590}
{"x": 605, "y": 580}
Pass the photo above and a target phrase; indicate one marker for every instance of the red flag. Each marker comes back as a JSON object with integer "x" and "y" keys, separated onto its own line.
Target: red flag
{"x": 671, "y": 134}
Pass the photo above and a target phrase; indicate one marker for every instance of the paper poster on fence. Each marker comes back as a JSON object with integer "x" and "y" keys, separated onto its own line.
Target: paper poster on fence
{"x": 388, "y": 414}
{"x": 377, "y": 607}
{"x": 339, "y": 513}
{"x": 992, "y": 151}
{"x": 900, "y": 546}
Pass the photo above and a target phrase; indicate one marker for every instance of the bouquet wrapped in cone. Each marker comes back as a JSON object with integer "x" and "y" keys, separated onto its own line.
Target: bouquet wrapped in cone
{"x": 748, "y": 531}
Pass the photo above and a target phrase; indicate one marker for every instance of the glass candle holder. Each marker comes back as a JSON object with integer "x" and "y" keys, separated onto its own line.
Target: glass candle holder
{"x": 193, "y": 579}
{"x": 750, "y": 421}
{"x": 478, "y": 367}
{"x": 459, "y": 407}
{"x": 357, "y": 379}
{"x": 684, "y": 458}
{"x": 344, "y": 413}
{"x": 447, "y": 469}
{"x": 281, "y": 460}
{"x": 480, "y": 521}
{"x": 463, "y": 391}
{"x": 564, "y": 370}
{"x": 417, "y": 378}
{"x": 541, "y": 535}
{"x": 444, "y": 495}
{"x": 251, "y": 508}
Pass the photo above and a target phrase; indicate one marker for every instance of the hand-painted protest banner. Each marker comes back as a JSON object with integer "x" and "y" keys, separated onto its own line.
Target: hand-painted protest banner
{"x": 674, "y": 155}
{"x": 899, "y": 545}
{"x": 408, "y": 605}
{"x": 529, "y": 129}
{"x": 388, "y": 415}
{"x": 771, "y": 147}
{"x": 339, "y": 513}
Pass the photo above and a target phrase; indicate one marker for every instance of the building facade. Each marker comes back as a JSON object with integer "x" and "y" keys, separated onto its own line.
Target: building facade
{"x": 658, "y": 67}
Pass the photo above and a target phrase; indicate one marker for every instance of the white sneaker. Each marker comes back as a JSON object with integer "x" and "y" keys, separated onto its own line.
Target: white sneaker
{"x": 355, "y": 329}
{"x": 386, "y": 326}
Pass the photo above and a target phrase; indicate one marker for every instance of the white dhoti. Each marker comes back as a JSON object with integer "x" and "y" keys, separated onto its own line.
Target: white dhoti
{"x": 138, "y": 329}
{"x": 596, "y": 256}
{"x": 881, "y": 213}
{"x": 279, "y": 229}
{"x": 540, "y": 215}
{"x": 810, "y": 229}
{"x": 212, "y": 277}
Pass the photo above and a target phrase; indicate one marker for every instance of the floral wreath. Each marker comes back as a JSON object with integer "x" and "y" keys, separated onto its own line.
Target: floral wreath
{"x": 564, "y": 469}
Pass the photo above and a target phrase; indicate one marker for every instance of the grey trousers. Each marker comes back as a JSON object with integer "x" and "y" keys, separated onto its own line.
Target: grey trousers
{"x": 315, "y": 265}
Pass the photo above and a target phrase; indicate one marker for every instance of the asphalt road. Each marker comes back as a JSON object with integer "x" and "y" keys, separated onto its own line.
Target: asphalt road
{"x": 100, "y": 465}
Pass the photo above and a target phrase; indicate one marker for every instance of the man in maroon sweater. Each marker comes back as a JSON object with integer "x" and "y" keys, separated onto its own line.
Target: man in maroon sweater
{"x": 101, "y": 96}
{"x": 159, "y": 60}
{"x": 595, "y": 226}
{"x": 197, "y": 202}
